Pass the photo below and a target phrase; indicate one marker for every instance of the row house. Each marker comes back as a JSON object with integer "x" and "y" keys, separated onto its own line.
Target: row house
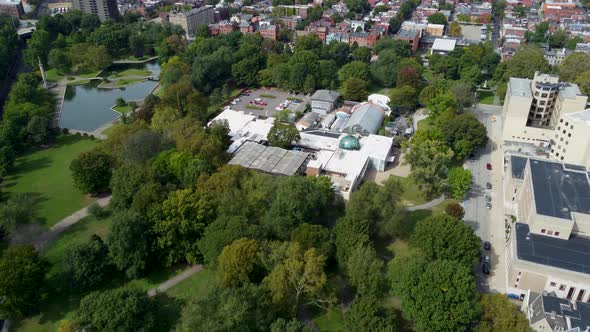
{"x": 269, "y": 31}
{"x": 222, "y": 28}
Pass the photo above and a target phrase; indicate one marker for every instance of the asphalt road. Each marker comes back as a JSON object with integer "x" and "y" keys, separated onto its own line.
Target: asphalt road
{"x": 487, "y": 223}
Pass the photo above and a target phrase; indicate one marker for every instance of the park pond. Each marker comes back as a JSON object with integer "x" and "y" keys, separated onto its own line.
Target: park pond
{"x": 87, "y": 107}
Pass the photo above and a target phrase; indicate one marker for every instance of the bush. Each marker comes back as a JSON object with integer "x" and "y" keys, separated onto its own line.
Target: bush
{"x": 65, "y": 131}
{"x": 455, "y": 210}
{"x": 97, "y": 211}
{"x": 71, "y": 78}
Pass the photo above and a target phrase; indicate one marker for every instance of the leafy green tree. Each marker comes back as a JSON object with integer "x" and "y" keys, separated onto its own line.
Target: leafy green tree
{"x": 455, "y": 29}
{"x": 299, "y": 276}
{"x": 245, "y": 70}
{"x": 181, "y": 220}
{"x": 442, "y": 103}
{"x": 404, "y": 98}
{"x": 444, "y": 237}
{"x": 91, "y": 171}
{"x": 18, "y": 209}
{"x": 237, "y": 261}
{"x": 313, "y": 236}
{"x": 455, "y": 210}
{"x": 283, "y": 135}
{"x": 437, "y": 18}
{"x": 355, "y": 89}
{"x": 283, "y": 325}
{"x": 459, "y": 180}
{"x": 394, "y": 25}
{"x": 38, "y": 48}
{"x": 121, "y": 309}
{"x": 365, "y": 314}
{"x": 125, "y": 182}
{"x": 22, "y": 271}
{"x": 437, "y": 296}
{"x": 429, "y": 160}
{"x": 356, "y": 69}
{"x": 246, "y": 308}
{"x": 583, "y": 81}
{"x": 37, "y": 130}
{"x": 573, "y": 65}
{"x": 525, "y": 63}
{"x": 364, "y": 271}
{"x": 129, "y": 243}
{"x": 558, "y": 39}
{"x": 58, "y": 58}
{"x": 142, "y": 145}
{"x": 463, "y": 94}
{"x": 220, "y": 233}
{"x": 362, "y": 54}
{"x": 465, "y": 133}
{"x": 385, "y": 69}
{"x": 358, "y": 6}
{"x": 87, "y": 264}
{"x": 498, "y": 314}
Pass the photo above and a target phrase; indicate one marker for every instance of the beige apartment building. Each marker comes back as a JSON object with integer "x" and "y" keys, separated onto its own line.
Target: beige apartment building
{"x": 571, "y": 139}
{"x": 104, "y": 9}
{"x": 548, "y": 249}
{"x": 532, "y": 108}
{"x": 191, "y": 19}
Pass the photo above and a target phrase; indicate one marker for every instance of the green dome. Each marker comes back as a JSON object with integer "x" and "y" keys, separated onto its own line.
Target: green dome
{"x": 349, "y": 142}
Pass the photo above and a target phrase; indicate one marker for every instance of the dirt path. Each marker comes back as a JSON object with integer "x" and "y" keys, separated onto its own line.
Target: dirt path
{"x": 166, "y": 285}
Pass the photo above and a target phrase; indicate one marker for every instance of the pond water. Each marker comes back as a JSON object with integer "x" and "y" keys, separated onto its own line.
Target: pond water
{"x": 87, "y": 107}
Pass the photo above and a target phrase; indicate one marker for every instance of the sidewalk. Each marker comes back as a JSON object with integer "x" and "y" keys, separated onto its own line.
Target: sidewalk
{"x": 166, "y": 285}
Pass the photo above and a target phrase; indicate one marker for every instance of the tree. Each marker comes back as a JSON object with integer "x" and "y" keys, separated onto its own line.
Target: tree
{"x": 437, "y": 296}
{"x": 91, "y": 171}
{"x": 366, "y": 315}
{"x": 182, "y": 217}
{"x": 364, "y": 271}
{"x": 429, "y": 160}
{"x": 236, "y": 262}
{"x": 220, "y": 233}
{"x": 404, "y": 98}
{"x": 558, "y": 39}
{"x": 87, "y": 264}
{"x": 465, "y": 133}
{"x": 38, "y": 48}
{"x": 394, "y": 25}
{"x": 463, "y": 94}
{"x": 142, "y": 145}
{"x": 459, "y": 180}
{"x": 282, "y": 325}
{"x": 525, "y": 62}
{"x": 573, "y": 65}
{"x": 58, "y": 59}
{"x": 129, "y": 243}
{"x": 498, "y": 314}
{"x": 22, "y": 271}
{"x": 125, "y": 182}
{"x": 362, "y": 54}
{"x": 299, "y": 276}
{"x": 455, "y": 210}
{"x": 444, "y": 237}
{"x": 16, "y": 210}
{"x": 355, "y": 89}
{"x": 455, "y": 29}
{"x": 441, "y": 103}
{"x": 358, "y": 6}
{"x": 313, "y": 236}
{"x": 437, "y": 18}
{"x": 583, "y": 81}
{"x": 408, "y": 76}
{"x": 283, "y": 135}
{"x": 385, "y": 69}
{"x": 37, "y": 130}
{"x": 247, "y": 308}
{"x": 356, "y": 69}
{"x": 121, "y": 309}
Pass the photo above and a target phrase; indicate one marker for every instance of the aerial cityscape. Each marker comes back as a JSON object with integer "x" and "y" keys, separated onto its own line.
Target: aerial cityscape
{"x": 295, "y": 165}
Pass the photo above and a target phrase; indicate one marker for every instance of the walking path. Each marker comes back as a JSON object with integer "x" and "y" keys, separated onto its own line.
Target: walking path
{"x": 166, "y": 285}
{"x": 45, "y": 238}
{"x": 427, "y": 205}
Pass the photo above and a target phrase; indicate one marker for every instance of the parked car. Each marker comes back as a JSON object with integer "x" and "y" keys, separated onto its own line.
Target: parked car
{"x": 488, "y": 185}
{"x": 489, "y": 166}
{"x": 486, "y": 259}
{"x": 489, "y": 206}
{"x": 487, "y": 245}
{"x": 488, "y": 198}
{"x": 263, "y": 103}
{"x": 244, "y": 94}
{"x": 485, "y": 268}
{"x": 246, "y": 91}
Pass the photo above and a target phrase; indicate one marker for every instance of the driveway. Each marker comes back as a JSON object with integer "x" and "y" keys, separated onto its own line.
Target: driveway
{"x": 488, "y": 224}
{"x": 270, "y": 110}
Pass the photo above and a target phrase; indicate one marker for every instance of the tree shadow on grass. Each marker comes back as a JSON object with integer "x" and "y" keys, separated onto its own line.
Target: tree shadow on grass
{"x": 169, "y": 312}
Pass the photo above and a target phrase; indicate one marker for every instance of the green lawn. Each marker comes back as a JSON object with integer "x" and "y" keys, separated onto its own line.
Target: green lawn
{"x": 486, "y": 97}
{"x": 331, "y": 321}
{"x": 89, "y": 75}
{"x": 133, "y": 72}
{"x": 53, "y": 75}
{"x": 111, "y": 129}
{"x": 46, "y": 175}
{"x": 127, "y": 81}
{"x": 78, "y": 82}
{"x": 412, "y": 194}
{"x": 196, "y": 285}
{"x": 123, "y": 109}
{"x": 425, "y": 123}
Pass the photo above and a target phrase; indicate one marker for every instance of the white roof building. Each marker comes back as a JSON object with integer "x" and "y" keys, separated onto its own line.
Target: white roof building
{"x": 243, "y": 127}
{"x": 443, "y": 45}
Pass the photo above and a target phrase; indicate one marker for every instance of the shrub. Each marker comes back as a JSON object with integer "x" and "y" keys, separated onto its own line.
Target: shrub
{"x": 97, "y": 211}
{"x": 65, "y": 131}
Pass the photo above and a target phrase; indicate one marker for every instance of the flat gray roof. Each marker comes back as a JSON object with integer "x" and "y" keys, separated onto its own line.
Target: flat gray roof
{"x": 558, "y": 190}
{"x": 270, "y": 159}
{"x": 572, "y": 254}
{"x": 326, "y": 95}
{"x": 520, "y": 87}
{"x": 518, "y": 165}
{"x": 570, "y": 91}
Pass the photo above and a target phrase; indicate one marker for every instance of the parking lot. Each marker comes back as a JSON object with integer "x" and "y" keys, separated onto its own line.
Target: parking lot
{"x": 269, "y": 101}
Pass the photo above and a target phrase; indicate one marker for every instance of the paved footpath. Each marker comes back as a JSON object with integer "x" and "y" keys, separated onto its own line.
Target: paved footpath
{"x": 427, "y": 205}
{"x": 45, "y": 238}
{"x": 166, "y": 285}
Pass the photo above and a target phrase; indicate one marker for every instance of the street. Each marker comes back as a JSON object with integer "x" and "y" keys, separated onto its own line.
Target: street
{"x": 488, "y": 224}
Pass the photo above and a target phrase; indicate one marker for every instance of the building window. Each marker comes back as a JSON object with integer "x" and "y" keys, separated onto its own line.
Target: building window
{"x": 566, "y": 142}
{"x": 569, "y": 135}
{"x": 556, "y": 233}
{"x": 519, "y": 273}
{"x": 561, "y": 120}
{"x": 567, "y": 123}
{"x": 557, "y": 154}
{"x": 517, "y": 279}
{"x": 570, "y": 293}
{"x": 572, "y": 127}
{"x": 561, "y": 287}
{"x": 580, "y": 295}
{"x": 561, "y": 158}
{"x": 552, "y": 284}
{"x": 543, "y": 231}
{"x": 561, "y": 139}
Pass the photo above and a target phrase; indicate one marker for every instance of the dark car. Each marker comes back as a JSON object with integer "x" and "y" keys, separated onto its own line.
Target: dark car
{"x": 489, "y": 206}
{"x": 489, "y": 166}
{"x": 487, "y": 245}
{"x": 488, "y": 198}
{"x": 488, "y": 185}
{"x": 485, "y": 268}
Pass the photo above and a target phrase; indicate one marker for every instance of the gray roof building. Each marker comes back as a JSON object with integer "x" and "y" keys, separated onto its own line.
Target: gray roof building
{"x": 326, "y": 95}
{"x": 366, "y": 119}
{"x": 269, "y": 159}
{"x": 559, "y": 314}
